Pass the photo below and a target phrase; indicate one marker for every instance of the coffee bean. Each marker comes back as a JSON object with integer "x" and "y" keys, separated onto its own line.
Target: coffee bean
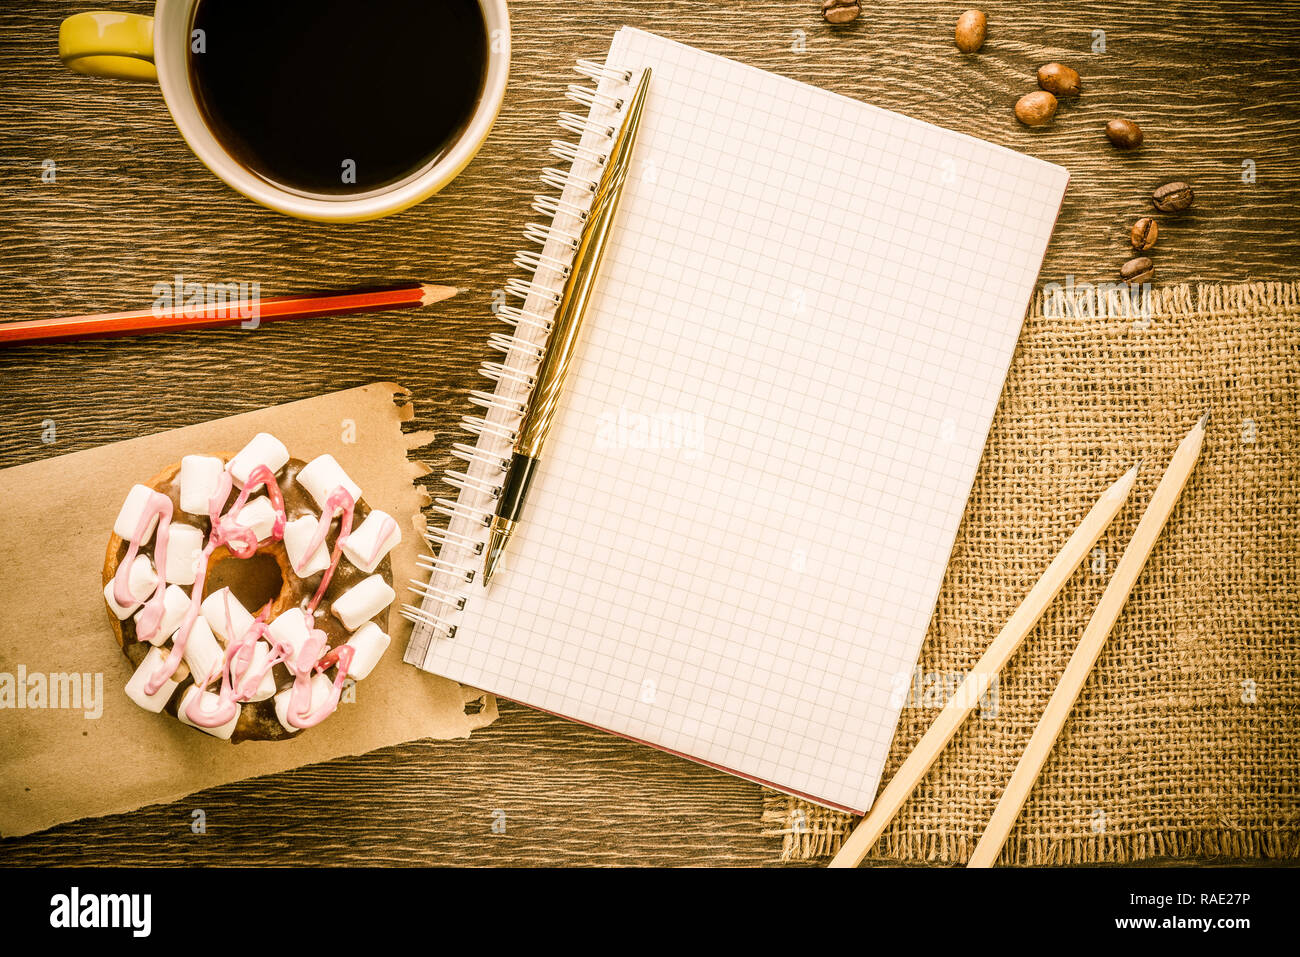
{"x": 1058, "y": 79}
{"x": 1137, "y": 270}
{"x": 1125, "y": 134}
{"x": 970, "y": 31}
{"x": 1172, "y": 197}
{"x": 840, "y": 11}
{"x": 1143, "y": 234}
{"x": 1036, "y": 109}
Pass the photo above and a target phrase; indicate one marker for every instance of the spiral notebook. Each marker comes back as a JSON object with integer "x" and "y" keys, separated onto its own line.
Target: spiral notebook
{"x": 745, "y": 508}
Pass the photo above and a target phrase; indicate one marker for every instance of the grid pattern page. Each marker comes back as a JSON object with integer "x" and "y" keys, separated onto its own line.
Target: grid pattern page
{"x": 744, "y": 511}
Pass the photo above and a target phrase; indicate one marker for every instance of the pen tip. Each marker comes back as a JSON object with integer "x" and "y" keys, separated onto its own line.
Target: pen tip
{"x": 496, "y": 547}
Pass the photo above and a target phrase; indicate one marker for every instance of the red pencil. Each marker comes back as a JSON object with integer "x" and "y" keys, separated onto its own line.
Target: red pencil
{"x": 249, "y": 312}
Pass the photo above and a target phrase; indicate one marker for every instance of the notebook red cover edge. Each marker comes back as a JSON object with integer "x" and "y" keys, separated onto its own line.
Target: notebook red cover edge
{"x": 689, "y": 757}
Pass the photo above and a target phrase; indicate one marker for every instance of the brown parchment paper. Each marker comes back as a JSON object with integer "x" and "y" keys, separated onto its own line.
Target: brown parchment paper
{"x": 58, "y": 764}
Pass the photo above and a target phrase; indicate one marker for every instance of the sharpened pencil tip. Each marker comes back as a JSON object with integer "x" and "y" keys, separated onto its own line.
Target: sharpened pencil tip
{"x": 1124, "y": 484}
{"x": 432, "y": 292}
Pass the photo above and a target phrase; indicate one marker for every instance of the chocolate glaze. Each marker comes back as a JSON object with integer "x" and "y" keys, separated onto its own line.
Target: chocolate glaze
{"x": 257, "y": 719}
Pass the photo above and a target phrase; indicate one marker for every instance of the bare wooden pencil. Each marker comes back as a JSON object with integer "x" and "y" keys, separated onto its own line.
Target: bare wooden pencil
{"x": 1094, "y": 637}
{"x": 976, "y": 684}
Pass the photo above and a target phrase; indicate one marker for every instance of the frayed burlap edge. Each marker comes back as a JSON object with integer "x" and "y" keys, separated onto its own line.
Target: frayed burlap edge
{"x": 808, "y": 831}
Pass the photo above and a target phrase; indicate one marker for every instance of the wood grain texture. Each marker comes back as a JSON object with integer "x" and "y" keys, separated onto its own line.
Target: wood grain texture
{"x": 1212, "y": 84}
{"x": 563, "y": 799}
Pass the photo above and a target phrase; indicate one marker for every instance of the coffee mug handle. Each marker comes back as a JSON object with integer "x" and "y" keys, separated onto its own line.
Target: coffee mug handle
{"x": 101, "y": 43}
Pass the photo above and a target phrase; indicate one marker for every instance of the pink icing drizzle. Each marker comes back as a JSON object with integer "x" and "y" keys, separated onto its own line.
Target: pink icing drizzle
{"x": 240, "y": 654}
{"x": 238, "y": 681}
{"x": 386, "y": 528}
{"x": 299, "y": 712}
{"x": 159, "y": 506}
{"x": 242, "y": 543}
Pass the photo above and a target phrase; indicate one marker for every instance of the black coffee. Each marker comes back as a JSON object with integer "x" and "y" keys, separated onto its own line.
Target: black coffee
{"x": 332, "y": 96}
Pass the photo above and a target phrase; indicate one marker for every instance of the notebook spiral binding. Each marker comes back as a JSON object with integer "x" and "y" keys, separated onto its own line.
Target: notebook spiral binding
{"x": 528, "y": 307}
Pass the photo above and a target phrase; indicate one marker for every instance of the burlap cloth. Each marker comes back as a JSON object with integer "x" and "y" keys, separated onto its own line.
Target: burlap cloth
{"x": 1186, "y": 738}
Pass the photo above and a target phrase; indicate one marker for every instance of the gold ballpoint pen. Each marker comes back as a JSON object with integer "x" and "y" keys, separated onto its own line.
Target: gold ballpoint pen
{"x": 564, "y": 334}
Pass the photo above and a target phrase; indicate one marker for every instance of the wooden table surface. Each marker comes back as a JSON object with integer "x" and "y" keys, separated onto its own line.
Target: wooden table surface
{"x": 1216, "y": 87}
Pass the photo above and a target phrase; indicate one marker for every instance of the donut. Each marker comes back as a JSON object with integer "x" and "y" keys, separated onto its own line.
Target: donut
{"x": 246, "y": 589}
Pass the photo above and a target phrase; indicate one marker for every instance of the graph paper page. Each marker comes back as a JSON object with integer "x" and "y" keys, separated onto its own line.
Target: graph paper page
{"x": 786, "y": 377}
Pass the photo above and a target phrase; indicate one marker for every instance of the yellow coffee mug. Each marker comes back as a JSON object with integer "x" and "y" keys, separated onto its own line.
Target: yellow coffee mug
{"x": 128, "y": 46}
